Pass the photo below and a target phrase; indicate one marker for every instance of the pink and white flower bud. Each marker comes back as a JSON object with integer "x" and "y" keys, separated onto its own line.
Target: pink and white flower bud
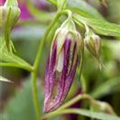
{"x": 61, "y": 65}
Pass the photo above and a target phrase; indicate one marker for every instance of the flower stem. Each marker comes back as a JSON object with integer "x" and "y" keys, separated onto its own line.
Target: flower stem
{"x": 68, "y": 104}
{"x": 38, "y": 57}
{"x": 84, "y": 83}
{"x": 36, "y": 65}
{"x": 35, "y": 97}
{"x": 65, "y": 111}
{"x": 74, "y": 100}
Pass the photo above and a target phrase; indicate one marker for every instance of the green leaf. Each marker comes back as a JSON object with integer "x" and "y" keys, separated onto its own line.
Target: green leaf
{"x": 10, "y": 58}
{"x": 92, "y": 18}
{"x": 104, "y": 28}
{"x": 20, "y": 106}
{"x": 87, "y": 113}
{"x": 83, "y": 8}
{"x": 4, "y": 79}
{"x": 108, "y": 87}
{"x": 101, "y": 27}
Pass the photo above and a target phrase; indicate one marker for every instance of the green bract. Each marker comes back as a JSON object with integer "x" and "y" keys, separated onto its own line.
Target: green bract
{"x": 9, "y": 15}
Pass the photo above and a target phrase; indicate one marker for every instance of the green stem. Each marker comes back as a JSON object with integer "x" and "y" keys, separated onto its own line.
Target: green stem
{"x": 30, "y": 69}
{"x": 61, "y": 4}
{"x": 74, "y": 100}
{"x": 68, "y": 104}
{"x": 68, "y": 12}
{"x": 83, "y": 112}
{"x": 35, "y": 97}
{"x": 36, "y": 65}
{"x": 84, "y": 83}
{"x": 38, "y": 57}
{"x": 65, "y": 111}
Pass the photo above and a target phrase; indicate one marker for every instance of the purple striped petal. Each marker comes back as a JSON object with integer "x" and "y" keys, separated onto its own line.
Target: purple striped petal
{"x": 60, "y": 70}
{"x": 66, "y": 78}
{"x": 63, "y": 76}
{"x": 59, "y": 83}
{"x": 49, "y": 78}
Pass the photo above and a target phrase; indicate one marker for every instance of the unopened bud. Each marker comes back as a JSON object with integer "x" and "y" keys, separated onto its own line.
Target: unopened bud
{"x": 9, "y": 15}
{"x": 93, "y": 44}
{"x": 61, "y": 65}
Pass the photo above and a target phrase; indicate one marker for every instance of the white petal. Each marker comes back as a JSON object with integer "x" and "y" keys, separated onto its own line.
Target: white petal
{"x": 60, "y": 61}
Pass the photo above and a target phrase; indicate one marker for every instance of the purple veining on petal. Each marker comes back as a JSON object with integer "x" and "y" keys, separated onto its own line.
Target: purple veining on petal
{"x": 68, "y": 84}
{"x": 46, "y": 84}
{"x": 50, "y": 75}
{"x": 69, "y": 80}
{"x": 63, "y": 81}
{"x": 66, "y": 78}
{"x": 64, "y": 71}
{"x": 71, "y": 74}
{"x": 53, "y": 56}
{"x": 63, "y": 78}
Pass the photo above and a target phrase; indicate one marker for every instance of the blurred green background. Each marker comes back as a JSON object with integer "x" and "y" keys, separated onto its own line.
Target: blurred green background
{"x": 16, "y": 98}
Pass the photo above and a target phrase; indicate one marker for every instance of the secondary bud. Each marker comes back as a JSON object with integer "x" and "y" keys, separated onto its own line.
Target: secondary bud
{"x": 9, "y": 14}
{"x": 93, "y": 44}
{"x": 61, "y": 65}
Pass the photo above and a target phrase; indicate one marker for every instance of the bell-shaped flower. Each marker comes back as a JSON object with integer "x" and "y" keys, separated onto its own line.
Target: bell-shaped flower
{"x": 61, "y": 65}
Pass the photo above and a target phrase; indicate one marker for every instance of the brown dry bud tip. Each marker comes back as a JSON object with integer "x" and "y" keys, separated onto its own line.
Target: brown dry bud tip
{"x": 93, "y": 44}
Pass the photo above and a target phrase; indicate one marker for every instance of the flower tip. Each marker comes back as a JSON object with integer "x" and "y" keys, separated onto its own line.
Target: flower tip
{"x": 49, "y": 107}
{"x": 101, "y": 66}
{"x": 46, "y": 108}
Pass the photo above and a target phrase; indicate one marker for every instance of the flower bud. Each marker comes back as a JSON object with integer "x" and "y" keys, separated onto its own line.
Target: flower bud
{"x": 9, "y": 14}
{"x": 93, "y": 44}
{"x": 61, "y": 65}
